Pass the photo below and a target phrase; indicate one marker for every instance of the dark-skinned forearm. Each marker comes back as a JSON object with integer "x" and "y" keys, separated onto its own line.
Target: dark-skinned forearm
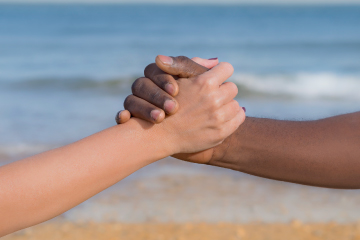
{"x": 322, "y": 153}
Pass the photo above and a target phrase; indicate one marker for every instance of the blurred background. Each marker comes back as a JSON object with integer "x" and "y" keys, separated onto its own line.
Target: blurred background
{"x": 65, "y": 69}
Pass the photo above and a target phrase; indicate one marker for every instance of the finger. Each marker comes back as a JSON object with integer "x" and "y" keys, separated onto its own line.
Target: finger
{"x": 144, "y": 88}
{"x": 208, "y": 63}
{"x": 165, "y": 81}
{"x": 179, "y": 66}
{"x": 122, "y": 116}
{"x": 228, "y": 91}
{"x": 142, "y": 109}
{"x": 220, "y": 73}
{"x": 233, "y": 124}
{"x": 229, "y": 111}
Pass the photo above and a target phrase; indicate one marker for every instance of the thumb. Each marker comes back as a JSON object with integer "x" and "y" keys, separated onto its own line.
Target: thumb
{"x": 208, "y": 63}
{"x": 180, "y": 66}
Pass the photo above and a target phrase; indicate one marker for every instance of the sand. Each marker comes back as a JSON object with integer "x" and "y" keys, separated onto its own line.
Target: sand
{"x": 189, "y": 231}
{"x": 173, "y": 200}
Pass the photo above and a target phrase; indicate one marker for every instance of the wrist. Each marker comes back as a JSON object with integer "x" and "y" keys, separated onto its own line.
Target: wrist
{"x": 160, "y": 141}
{"x": 237, "y": 150}
{"x": 220, "y": 151}
{"x": 231, "y": 153}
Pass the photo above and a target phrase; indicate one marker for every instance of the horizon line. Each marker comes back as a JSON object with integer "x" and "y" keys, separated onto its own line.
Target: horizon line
{"x": 184, "y": 4}
{"x": 188, "y": 2}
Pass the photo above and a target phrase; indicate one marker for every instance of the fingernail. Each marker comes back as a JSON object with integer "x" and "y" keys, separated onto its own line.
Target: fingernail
{"x": 244, "y": 109}
{"x": 169, "y": 88}
{"x": 117, "y": 117}
{"x": 155, "y": 114}
{"x": 166, "y": 60}
{"x": 169, "y": 106}
{"x": 213, "y": 58}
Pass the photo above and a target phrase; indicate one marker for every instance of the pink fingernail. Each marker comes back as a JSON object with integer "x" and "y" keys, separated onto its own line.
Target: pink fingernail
{"x": 169, "y": 106}
{"x": 244, "y": 109}
{"x": 213, "y": 58}
{"x": 169, "y": 88}
{"x": 155, "y": 114}
{"x": 166, "y": 60}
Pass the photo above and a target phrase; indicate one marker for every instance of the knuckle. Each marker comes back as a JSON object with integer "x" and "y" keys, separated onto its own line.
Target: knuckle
{"x": 129, "y": 100}
{"x": 182, "y": 59}
{"x": 164, "y": 79}
{"x": 233, "y": 88}
{"x": 235, "y": 105}
{"x": 213, "y": 82}
{"x": 227, "y": 67}
{"x": 218, "y": 117}
{"x": 156, "y": 95}
{"x": 216, "y": 102}
{"x": 137, "y": 85}
{"x": 149, "y": 69}
{"x": 208, "y": 83}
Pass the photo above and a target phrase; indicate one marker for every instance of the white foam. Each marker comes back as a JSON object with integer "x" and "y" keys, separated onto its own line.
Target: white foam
{"x": 302, "y": 85}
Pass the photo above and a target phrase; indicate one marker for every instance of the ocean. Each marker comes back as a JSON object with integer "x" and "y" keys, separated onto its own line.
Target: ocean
{"x": 66, "y": 69}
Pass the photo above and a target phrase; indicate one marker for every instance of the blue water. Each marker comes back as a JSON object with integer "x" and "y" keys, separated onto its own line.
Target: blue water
{"x": 65, "y": 69}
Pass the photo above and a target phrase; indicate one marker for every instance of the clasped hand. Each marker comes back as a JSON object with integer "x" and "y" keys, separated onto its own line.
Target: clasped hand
{"x": 206, "y": 112}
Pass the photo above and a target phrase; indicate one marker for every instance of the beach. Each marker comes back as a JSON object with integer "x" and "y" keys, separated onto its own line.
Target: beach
{"x": 190, "y": 231}
{"x": 66, "y": 69}
{"x": 172, "y": 199}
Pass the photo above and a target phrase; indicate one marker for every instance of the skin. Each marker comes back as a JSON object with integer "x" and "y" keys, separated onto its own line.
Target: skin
{"x": 41, "y": 187}
{"x": 322, "y": 153}
{"x": 155, "y": 99}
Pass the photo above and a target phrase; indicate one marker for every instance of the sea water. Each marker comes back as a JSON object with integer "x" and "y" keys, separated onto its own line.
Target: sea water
{"x": 66, "y": 69}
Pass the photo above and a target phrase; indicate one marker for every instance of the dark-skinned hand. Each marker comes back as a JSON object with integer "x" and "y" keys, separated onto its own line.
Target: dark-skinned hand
{"x": 153, "y": 95}
{"x": 156, "y": 91}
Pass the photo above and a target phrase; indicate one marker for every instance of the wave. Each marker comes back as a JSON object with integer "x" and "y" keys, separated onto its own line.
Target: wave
{"x": 296, "y": 44}
{"x": 299, "y": 85}
{"x": 325, "y": 85}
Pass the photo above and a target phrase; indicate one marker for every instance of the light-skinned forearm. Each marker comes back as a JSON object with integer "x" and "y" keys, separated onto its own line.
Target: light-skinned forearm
{"x": 41, "y": 187}
{"x": 320, "y": 153}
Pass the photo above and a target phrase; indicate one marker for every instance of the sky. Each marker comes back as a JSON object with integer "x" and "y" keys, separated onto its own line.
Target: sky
{"x": 192, "y": 1}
